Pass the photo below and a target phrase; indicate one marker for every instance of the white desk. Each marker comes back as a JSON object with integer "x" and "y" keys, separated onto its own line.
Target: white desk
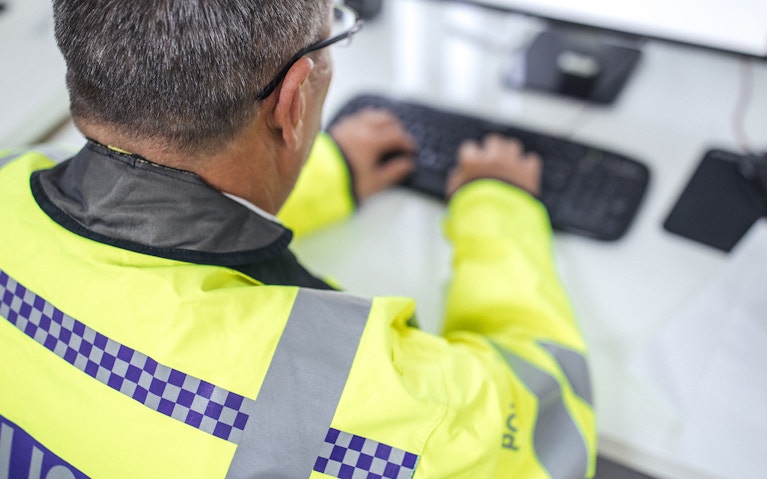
{"x": 679, "y": 103}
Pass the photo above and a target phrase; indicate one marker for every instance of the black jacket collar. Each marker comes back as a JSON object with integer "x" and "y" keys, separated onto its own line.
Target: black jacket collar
{"x": 129, "y": 202}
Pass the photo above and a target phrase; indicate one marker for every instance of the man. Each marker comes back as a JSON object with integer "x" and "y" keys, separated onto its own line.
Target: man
{"x": 153, "y": 322}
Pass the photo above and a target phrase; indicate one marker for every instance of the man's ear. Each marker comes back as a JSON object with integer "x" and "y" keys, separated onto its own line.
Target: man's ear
{"x": 290, "y": 106}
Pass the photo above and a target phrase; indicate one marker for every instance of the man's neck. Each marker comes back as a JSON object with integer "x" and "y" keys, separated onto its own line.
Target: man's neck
{"x": 245, "y": 167}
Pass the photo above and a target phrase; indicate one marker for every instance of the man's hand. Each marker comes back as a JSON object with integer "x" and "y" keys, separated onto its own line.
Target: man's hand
{"x": 496, "y": 157}
{"x": 367, "y": 138}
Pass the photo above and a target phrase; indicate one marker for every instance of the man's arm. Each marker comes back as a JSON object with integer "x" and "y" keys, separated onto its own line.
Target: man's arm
{"x": 345, "y": 168}
{"x": 514, "y": 374}
{"x": 323, "y": 192}
{"x": 506, "y": 305}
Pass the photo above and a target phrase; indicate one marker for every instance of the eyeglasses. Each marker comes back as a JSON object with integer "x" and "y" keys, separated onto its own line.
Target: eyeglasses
{"x": 346, "y": 22}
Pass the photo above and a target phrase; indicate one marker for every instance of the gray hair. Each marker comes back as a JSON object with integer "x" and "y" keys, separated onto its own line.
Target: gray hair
{"x": 182, "y": 71}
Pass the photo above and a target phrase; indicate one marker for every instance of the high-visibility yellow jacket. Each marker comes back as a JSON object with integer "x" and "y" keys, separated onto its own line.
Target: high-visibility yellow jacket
{"x": 152, "y": 327}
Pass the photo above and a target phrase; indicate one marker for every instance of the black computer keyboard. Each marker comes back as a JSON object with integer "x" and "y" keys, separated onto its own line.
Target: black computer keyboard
{"x": 587, "y": 190}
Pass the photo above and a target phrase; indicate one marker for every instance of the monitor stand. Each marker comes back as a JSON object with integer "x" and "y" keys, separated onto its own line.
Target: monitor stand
{"x": 589, "y": 66}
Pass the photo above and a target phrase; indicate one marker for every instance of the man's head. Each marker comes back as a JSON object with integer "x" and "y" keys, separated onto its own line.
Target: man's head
{"x": 182, "y": 72}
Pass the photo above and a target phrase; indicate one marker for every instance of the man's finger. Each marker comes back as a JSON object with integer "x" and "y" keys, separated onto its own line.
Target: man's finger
{"x": 395, "y": 170}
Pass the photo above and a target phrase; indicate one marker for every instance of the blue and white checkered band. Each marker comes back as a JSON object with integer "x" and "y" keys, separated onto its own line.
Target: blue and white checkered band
{"x": 347, "y": 456}
{"x": 163, "y": 389}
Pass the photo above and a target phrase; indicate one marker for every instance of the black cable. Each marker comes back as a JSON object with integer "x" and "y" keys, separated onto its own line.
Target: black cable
{"x": 742, "y": 102}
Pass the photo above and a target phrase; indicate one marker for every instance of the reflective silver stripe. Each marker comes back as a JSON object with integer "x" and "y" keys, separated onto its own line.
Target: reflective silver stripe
{"x": 559, "y": 445}
{"x": 9, "y": 158}
{"x": 6, "y": 442}
{"x": 294, "y": 409}
{"x": 574, "y": 367}
{"x": 55, "y": 153}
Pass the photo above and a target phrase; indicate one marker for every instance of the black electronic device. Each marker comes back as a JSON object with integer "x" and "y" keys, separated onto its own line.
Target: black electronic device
{"x": 587, "y": 190}
{"x": 576, "y": 66}
{"x": 725, "y": 195}
{"x": 589, "y": 48}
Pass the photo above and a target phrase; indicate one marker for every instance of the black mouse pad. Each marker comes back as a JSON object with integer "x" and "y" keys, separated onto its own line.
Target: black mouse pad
{"x": 718, "y": 205}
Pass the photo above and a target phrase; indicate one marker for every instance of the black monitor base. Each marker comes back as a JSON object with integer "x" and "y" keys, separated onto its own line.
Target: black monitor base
{"x": 593, "y": 69}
